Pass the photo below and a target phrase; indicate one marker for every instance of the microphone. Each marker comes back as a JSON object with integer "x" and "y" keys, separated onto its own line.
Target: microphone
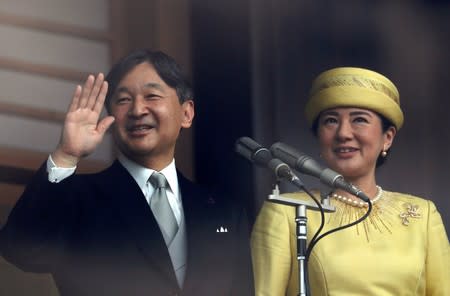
{"x": 307, "y": 165}
{"x": 261, "y": 156}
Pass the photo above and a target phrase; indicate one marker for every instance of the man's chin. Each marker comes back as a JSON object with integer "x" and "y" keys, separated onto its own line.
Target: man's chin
{"x": 137, "y": 151}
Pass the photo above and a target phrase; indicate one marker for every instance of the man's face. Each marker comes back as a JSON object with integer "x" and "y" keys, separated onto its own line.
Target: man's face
{"x": 148, "y": 117}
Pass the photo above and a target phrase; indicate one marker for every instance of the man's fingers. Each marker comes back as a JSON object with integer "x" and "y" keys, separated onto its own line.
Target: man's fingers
{"x": 75, "y": 99}
{"x": 91, "y": 95}
{"x": 87, "y": 88}
{"x": 96, "y": 89}
{"x": 101, "y": 97}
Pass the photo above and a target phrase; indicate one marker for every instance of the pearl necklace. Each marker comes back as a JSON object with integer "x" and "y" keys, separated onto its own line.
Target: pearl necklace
{"x": 359, "y": 203}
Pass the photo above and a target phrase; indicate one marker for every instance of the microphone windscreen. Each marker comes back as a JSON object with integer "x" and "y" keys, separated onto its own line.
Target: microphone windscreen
{"x": 245, "y": 147}
{"x": 285, "y": 153}
{"x": 253, "y": 151}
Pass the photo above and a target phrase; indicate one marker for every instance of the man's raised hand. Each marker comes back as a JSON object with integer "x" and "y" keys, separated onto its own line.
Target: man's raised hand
{"x": 83, "y": 130}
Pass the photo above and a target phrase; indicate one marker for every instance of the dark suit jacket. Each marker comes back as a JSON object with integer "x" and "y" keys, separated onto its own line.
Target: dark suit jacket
{"x": 97, "y": 235}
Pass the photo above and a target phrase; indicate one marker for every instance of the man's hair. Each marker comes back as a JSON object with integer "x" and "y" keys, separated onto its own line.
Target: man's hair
{"x": 166, "y": 67}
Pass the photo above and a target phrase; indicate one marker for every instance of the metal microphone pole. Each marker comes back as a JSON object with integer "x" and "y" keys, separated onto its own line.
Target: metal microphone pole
{"x": 301, "y": 227}
{"x": 261, "y": 156}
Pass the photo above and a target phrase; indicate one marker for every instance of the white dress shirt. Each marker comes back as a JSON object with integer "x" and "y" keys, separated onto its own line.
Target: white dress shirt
{"x": 139, "y": 173}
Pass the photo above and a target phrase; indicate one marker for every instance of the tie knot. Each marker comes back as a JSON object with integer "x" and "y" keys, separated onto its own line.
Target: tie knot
{"x": 158, "y": 180}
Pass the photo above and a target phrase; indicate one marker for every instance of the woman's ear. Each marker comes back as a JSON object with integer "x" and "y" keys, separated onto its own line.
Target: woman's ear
{"x": 389, "y": 136}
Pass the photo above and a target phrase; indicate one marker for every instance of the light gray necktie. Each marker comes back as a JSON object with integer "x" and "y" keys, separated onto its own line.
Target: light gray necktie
{"x": 161, "y": 208}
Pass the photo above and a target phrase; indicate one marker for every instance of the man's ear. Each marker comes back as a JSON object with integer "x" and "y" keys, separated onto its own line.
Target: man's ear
{"x": 188, "y": 113}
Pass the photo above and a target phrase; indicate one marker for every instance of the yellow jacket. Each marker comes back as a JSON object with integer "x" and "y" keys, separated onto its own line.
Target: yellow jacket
{"x": 402, "y": 249}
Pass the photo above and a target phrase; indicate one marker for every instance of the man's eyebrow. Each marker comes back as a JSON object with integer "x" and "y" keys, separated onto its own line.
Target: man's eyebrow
{"x": 154, "y": 85}
{"x": 122, "y": 89}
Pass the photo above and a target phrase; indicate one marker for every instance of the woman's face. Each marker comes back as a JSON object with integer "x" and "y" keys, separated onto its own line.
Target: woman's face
{"x": 351, "y": 139}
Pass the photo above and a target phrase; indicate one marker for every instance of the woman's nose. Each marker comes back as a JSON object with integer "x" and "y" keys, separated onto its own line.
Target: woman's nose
{"x": 344, "y": 131}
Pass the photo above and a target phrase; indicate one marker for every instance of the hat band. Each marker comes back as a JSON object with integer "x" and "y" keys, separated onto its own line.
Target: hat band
{"x": 356, "y": 81}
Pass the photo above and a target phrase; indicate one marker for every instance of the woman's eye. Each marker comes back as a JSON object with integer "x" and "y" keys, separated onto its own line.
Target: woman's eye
{"x": 329, "y": 120}
{"x": 360, "y": 119}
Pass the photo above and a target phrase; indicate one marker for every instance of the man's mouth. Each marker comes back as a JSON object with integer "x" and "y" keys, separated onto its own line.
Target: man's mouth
{"x": 139, "y": 129}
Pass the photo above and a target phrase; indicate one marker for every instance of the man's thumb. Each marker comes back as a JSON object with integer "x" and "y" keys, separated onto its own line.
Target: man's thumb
{"x": 105, "y": 123}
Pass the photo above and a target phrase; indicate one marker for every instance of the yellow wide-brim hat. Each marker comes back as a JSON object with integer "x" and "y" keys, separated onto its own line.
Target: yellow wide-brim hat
{"x": 354, "y": 87}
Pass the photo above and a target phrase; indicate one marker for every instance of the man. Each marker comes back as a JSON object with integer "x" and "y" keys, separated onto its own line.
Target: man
{"x": 118, "y": 232}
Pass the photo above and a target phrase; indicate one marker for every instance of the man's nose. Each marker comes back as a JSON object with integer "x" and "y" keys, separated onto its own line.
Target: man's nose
{"x": 138, "y": 107}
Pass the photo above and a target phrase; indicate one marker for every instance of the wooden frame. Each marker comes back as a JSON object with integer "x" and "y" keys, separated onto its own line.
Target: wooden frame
{"x": 41, "y": 69}
{"x": 31, "y": 112}
{"x": 55, "y": 27}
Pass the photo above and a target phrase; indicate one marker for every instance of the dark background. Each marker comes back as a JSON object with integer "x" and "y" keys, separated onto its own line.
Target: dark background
{"x": 253, "y": 63}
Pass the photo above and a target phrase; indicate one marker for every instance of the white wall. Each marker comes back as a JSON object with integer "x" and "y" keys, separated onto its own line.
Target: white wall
{"x": 36, "y": 45}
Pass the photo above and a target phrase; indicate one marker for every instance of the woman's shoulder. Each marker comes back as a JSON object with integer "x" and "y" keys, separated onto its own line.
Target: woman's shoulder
{"x": 412, "y": 205}
{"x": 406, "y": 198}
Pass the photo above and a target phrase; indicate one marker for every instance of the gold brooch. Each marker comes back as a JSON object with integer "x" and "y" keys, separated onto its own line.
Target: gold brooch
{"x": 412, "y": 211}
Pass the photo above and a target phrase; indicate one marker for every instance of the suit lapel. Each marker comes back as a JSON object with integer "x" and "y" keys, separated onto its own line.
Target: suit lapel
{"x": 199, "y": 215}
{"x": 127, "y": 198}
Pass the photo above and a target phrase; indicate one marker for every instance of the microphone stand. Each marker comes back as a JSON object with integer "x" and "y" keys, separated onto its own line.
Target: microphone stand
{"x": 301, "y": 227}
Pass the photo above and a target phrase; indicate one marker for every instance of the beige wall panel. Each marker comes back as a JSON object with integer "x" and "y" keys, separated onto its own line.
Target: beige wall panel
{"x": 15, "y": 282}
{"x": 84, "y": 13}
{"x": 35, "y": 91}
{"x": 53, "y": 49}
{"x": 28, "y": 134}
{"x": 40, "y": 136}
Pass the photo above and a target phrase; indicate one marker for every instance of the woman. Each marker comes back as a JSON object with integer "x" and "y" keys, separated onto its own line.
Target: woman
{"x": 400, "y": 249}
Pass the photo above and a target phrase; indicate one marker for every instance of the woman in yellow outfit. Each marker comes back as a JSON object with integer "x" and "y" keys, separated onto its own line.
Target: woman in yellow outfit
{"x": 400, "y": 249}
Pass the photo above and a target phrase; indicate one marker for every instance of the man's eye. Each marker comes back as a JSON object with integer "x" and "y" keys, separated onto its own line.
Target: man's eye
{"x": 152, "y": 96}
{"x": 122, "y": 100}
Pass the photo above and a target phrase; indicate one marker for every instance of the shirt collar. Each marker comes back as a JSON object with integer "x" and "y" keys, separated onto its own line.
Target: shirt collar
{"x": 141, "y": 174}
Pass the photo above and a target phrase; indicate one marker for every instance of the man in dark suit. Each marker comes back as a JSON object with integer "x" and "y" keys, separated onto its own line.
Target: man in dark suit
{"x": 118, "y": 232}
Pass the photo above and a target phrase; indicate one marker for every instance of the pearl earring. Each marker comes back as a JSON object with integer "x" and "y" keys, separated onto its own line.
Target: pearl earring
{"x": 383, "y": 153}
